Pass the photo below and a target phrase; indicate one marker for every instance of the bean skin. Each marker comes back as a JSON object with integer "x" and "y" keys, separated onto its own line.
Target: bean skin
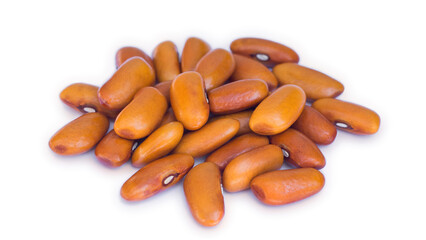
{"x": 164, "y": 88}
{"x": 189, "y": 101}
{"x": 223, "y": 155}
{"x": 156, "y": 177}
{"x": 208, "y": 138}
{"x": 204, "y": 194}
{"x": 247, "y": 68}
{"x": 158, "y": 144}
{"x": 120, "y": 89}
{"x": 237, "y": 96}
{"x": 113, "y": 151}
{"x": 216, "y": 67}
{"x": 168, "y": 117}
{"x": 315, "y": 126}
{"x": 300, "y": 151}
{"x": 316, "y": 85}
{"x": 125, "y": 53}
{"x": 80, "y": 135}
{"x": 142, "y": 115}
{"x": 242, "y": 117}
{"x": 348, "y": 116}
{"x": 242, "y": 169}
{"x": 166, "y": 61}
{"x": 286, "y": 186}
{"x": 193, "y": 51}
{"x": 265, "y": 51}
{"x": 278, "y": 111}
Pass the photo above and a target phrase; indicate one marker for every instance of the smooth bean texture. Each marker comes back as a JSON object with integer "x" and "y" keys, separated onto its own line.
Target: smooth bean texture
{"x": 169, "y": 116}
{"x": 286, "y": 186}
{"x": 242, "y": 117}
{"x": 204, "y": 194}
{"x": 166, "y": 61}
{"x": 125, "y": 53}
{"x": 192, "y": 52}
{"x": 156, "y": 177}
{"x": 80, "y": 135}
{"x": 164, "y": 88}
{"x": 113, "y": 150}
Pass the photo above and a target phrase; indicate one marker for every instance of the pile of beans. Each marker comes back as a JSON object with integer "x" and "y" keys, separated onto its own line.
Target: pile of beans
{"x": 229, "y": 107}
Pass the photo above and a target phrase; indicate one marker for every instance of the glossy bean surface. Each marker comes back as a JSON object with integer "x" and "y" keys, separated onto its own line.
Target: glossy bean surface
{"x": 166, "y": 61}
{"x": 125, "y": 53}
{"x": 164, "y": 88}
{"x": 113, "y": 150}
{"x": 169, "y": 116}
{"x": 192, "y": 52}
{"x": 242, "y": 117}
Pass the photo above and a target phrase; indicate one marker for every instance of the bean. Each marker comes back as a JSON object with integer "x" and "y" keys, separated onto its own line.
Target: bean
{"x": 348, "y": 116}
{"x": 193, "y": 51}
{"x": 298, "y": 149}
{"x": 142, "y": 115}
{"x": 247, "y": 68}
{"x": 265, "y": 51}
{"x": 80, "y": 135}
{"x": 164, "y": 88}
{"x": 119, "y": 90}
{"x": 286, "y": 186}
{"x": 208, "y": 138}
{"x": 216, "y": 67}
{"x": 237, "y": 96}
{"x": 204, "y": 194}
{"x": 315, "y": 126}
{"x": 168, "y": 117}
{"x": 244, "y": 143}
{"x": 278, "y": 111}
{"x": 316, "y": 85}
{"x": 189, "y": 101}
{"x": 158, "y": 144}
{"x": 156, "y": 177}
{"x": 113, "y": 151}
{"x": 166, "y": 61}
{"x": 242, "y": 117}
{"x": 125, "y": 53}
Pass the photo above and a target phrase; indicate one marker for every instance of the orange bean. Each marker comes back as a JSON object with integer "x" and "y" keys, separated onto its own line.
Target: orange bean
{"x": 168, "y": 117}
{"x": 247, "y": 68}
{"x": 113, "y": 151}
{"x": 278, "y": 111}
{"x": 242, "y": 117}
{"x": 193, "y": 51}
{"x": 156, "y": 177}
{"x": 189, "y": 101}
{"x": 166, "y": 61}
{"x": 315, "y": 84}
{"x": 80, "y": 135}
{"x": 223, "y": 155}
{"x": 142, "y": 115}
{"x": 298, "y": 149}
{"x": 348, "y": 116}
{"x": 208, "y": 138}
{"x": 237, "y": 96}
{"x": 204, "y": 194}
{"x": 286, "y": 186}
{"x": 216, "y": 67}
{"x": 158, "y": 144}
{"x": 125, "y": 53}
{"x": 315, "y": 126}
{"x": 119, "y": 90}
{"x": 242, "y": 169}
{"x": 164, "y": 88}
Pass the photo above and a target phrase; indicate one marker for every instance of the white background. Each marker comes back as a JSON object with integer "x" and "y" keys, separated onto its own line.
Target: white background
{"x": 375, "y": 185}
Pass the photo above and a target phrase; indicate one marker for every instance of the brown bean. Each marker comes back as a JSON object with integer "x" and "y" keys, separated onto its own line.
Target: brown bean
{"x": 286, "y": 186}
{"x": 247, "y": 68}
{"x": 208, "y": 138}
{"x": 119, "y": 90}
{"x": 166, "y": 61}
{"x": 315, "y": 126}
{"x": 216, "y": 67}
{"x": 242, "y": 117}
{"x": 189, "y": 101}
{"x": 192, "y": 52}
{"x": 125, "y": 53}
{"x": 164, "y": 88}
{"x": 114, "y": 151}
{"x": 265, "y": 51}
{"x": 80, "y": 135}
{"x": 156, "y": 177}
{"x": 142, "y": 115}
{"x": 223, "y": 155}
{"x": 348, "y": 116}
{"x": 158, "y": 144}
{"x": 242, "y": 169}
{"x": 315, "y": 84}
{"x": 83, "y": 97}
{"x": 237, "y": 96}
{"x": 204, "y": 194}
{"x": 298, "y": 149}
{"x": 168, "y": 117}
{"x": 278, "y": 111}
